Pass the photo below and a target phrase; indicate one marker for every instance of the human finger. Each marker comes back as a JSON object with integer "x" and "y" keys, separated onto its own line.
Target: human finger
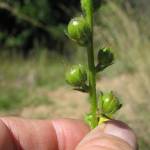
{"x": 114, "y": 135}
{"x": 64, "y": 134}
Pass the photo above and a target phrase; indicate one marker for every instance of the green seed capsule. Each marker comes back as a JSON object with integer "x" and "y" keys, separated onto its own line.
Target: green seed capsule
{"x": 109, "y": 103}
{"x": 105, "y": 56}
{"x": 78, "y": 30}
{"x": 77, "y": 76}
{"x": 105, "y": 59}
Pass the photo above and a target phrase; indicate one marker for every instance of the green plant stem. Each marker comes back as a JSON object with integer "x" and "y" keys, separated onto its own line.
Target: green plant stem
{"x": 92, "y": 84}
{"x": 91, "y": 68}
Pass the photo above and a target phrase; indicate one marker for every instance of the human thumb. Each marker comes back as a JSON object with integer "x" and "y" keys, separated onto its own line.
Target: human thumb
{"x": 113, "y": 135}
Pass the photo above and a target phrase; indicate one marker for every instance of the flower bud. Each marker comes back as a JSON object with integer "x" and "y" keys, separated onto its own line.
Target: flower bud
{"x": 77, "y": 76}
{"x": 109, "y": 103}
{"x": 78, "y": 30}
{"x": 105, "y": 58}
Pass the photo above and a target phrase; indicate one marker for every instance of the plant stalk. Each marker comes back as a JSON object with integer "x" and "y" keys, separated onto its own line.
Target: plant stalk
{"x": 91, "y": 68}
{"x": 92, "y": 85}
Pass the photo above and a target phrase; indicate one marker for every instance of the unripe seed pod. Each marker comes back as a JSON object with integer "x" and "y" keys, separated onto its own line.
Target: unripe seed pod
{"x": 78, "y": 30}
{"x": 105, "y": 57}
{"x": 109, "y": 103}
{"x": 77, "y": 76}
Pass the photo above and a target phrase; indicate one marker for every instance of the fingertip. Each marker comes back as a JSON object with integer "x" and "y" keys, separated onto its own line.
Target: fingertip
{"x": 122, "y": 131}
{"x": 113, "y": 135}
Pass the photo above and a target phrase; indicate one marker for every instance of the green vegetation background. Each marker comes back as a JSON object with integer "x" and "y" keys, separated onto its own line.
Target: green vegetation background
{"x": 35, "y": 53}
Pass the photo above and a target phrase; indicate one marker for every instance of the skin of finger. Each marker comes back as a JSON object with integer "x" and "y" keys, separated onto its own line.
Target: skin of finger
{"x": 31, "y": 135}
{"x": 70, "y": 133}
{"x": 103, "y": 138}
{"x": 6, "y": 140}
{"x": 121, "y": 130}
{"x": 103, "y": 142}
{"x": 62, "y": 134}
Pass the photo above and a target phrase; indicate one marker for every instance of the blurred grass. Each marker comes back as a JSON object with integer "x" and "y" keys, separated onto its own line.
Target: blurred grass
{"x": 35, "y": 71}
{"x": 119, "y": 30}
{"x": 22, "y": 82}
{"x": 27, "y": 83}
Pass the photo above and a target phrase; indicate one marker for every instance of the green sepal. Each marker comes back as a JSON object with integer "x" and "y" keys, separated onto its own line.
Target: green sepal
{"x": 84, "y": 88}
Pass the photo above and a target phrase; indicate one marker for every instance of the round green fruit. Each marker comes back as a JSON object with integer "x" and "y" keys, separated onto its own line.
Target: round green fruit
{"x": 109, "y": 103}
{"x": 77, "y": 76}
{"x": 105, "y": 57}
{"x": 78, "y": 30}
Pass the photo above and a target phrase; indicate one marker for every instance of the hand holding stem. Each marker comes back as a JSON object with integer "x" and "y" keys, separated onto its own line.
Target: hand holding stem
{"x": 80, "y": 29}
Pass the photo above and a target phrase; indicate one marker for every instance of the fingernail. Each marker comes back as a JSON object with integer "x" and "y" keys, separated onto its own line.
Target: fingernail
{"x": 121, "y": 130}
